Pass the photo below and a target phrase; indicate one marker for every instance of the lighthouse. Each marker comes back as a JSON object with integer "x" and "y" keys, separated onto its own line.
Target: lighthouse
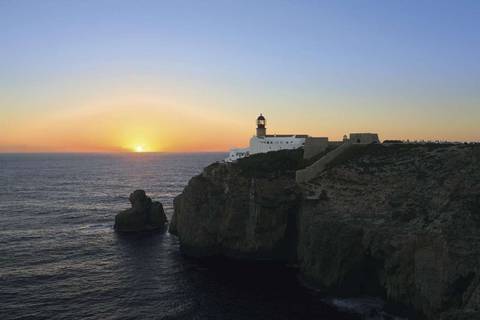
{"x": 262, "y": 143}
{"x": 261, "y": 130}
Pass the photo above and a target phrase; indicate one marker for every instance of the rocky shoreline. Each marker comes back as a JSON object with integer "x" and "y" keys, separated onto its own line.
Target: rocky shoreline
{"x": 401, "y": 222}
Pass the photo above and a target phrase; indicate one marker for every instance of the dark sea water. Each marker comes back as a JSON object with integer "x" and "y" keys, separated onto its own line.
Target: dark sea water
{"x": 61, "y": 259}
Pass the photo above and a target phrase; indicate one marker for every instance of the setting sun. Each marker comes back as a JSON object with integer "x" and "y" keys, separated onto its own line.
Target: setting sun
{"x": 139, "y": 149}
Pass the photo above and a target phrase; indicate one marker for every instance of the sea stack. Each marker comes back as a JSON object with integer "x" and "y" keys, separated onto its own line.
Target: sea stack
{"x": 144, "y": 215}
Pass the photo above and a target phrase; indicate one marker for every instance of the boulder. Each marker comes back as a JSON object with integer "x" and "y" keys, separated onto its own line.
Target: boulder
{"x": 144, "y": 215}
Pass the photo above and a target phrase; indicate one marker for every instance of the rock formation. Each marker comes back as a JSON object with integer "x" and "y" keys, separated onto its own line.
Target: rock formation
{"x": 243, "y": 210}
{"x": 398, "y": 221}
{"x": 144, "y": 215}
{"x": 402, "y": 221}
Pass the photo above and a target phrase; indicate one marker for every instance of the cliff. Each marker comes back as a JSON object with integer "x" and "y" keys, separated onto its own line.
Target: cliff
{"x": 242, "y": 210}
{"x": 399, "y": 221}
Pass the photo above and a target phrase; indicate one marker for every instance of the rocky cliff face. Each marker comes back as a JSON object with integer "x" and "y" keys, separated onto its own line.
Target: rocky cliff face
{"x": 401, "y": 221}
{"x": 239, "y": 212}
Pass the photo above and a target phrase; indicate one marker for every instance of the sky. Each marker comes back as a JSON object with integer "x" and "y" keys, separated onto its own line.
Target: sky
{"x": 175, "y": 76}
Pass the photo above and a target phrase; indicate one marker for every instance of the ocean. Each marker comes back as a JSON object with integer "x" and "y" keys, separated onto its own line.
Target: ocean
{"x": 61, "y": 259}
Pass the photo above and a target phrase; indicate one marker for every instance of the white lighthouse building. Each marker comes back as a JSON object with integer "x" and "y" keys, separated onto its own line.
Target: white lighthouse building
{"x": 263, "y": 142}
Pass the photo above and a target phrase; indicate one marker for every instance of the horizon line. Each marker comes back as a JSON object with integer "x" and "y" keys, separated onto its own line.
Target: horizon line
{"x": 104, "y": 152}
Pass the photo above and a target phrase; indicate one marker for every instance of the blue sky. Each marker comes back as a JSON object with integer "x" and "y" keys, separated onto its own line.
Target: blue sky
{"x": 322, "y": 66}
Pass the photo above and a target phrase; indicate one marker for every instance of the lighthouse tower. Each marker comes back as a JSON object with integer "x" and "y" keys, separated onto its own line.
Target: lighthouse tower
{"x": 261, "y": 130}
{"x": 263, "y": 143}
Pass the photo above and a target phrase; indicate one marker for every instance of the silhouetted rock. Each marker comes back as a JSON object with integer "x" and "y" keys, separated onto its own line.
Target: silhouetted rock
{"x": 144, "y": 215}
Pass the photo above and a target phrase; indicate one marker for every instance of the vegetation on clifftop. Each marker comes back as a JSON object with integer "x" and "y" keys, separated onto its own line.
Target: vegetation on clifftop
{"x": 276, "y": 163}
{"x": 382, "y": 151}
{"x": 271, "y": 163}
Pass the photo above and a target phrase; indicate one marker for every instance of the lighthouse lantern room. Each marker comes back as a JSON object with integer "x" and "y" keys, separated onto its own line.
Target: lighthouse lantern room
{"x": 261, "y": 130}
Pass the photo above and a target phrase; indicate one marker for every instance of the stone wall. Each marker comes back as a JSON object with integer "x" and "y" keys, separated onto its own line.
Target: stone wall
{"x": 304, "y": 175}
{"x": 314, "y": 146}
{"x": 364, "y": 138}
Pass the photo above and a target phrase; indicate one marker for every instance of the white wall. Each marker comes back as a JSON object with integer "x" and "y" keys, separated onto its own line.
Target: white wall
{"x": 266, "y": 144}
{"x": 238, "y": 153}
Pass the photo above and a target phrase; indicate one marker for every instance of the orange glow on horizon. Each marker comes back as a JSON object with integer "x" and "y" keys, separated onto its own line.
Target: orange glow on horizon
{"x": 146, "y": 123}
{"x": 117, "y": 127}
{"x": 139, "y": 149}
